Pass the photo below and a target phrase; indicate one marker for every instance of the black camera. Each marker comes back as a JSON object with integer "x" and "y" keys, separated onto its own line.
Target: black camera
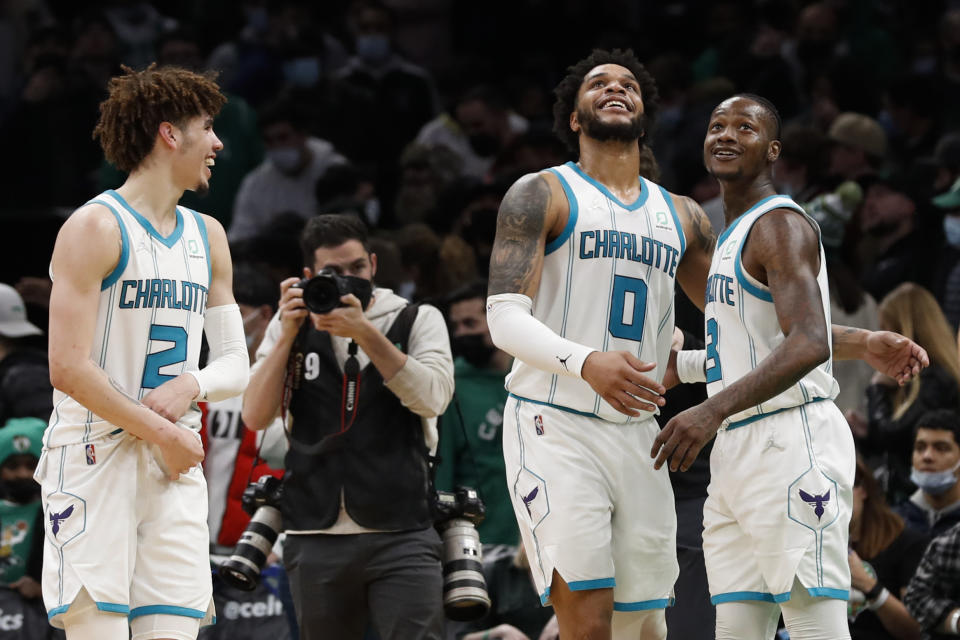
{"x": 322, "y": 292}
{"x": 456, "y": 516}
{"x": 261, "y": 500}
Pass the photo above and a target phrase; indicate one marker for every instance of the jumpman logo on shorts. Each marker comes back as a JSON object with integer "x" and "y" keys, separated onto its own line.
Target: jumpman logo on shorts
{"x": 55, "y": 519}
{"x": 816, "y": 502}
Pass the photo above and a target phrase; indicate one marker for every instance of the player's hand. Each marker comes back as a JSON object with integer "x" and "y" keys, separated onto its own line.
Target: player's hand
{"x": 670, "y": 377}
{"x": 173, "y": 398}
{"x": 181, "y": 452}
{"x": 859, "y": 578}
{"x": 895, "y": 356}
{"x": 346, "y": 322}
{"x": 683, "y": 437}
{"x": 291, "y": 307}
{"x": 618, "y": 377}
{"x": 27, "y": 586}
{"x": 551, "y": 630}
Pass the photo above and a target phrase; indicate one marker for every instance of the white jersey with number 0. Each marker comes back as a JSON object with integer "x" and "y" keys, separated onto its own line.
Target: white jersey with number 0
{"x": 742, "y": 328}
{"x": 607, "y": 283}
{"x": 150, "y": 317}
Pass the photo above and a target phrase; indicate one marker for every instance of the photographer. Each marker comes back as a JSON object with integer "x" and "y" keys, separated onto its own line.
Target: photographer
{"x": 365, "y": 384}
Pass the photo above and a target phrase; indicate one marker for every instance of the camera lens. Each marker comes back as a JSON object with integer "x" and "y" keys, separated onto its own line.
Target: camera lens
{"x": 242, "y": 569}
{"x": 321, "y": 294}
{"x": 464, "y": 588}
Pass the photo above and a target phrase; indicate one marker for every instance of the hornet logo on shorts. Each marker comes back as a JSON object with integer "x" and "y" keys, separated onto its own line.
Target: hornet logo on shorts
{"x": 55, "y": 519}
{"x": 527, "y": 499}
{"x": 538, "y": 424}
{"x": 816, "y": 502}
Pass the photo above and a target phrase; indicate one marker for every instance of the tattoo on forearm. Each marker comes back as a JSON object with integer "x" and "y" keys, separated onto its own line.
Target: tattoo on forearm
{"x": 519, "y": 227}
{"x": 701, "y": 225}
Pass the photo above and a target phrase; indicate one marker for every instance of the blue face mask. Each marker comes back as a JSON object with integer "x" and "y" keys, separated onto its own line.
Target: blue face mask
{"x": 951, "y": 228}
{"x": 373, "y": 49}
{"x": 934, "y": 482}
{"x": 302, "y": 72}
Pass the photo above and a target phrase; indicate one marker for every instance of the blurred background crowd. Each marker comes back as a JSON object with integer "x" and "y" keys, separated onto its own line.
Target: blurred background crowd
{"x": 417, "y": 115}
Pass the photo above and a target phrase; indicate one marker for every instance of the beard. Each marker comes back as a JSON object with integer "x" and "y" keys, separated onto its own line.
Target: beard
{"x": 606, "y": 131}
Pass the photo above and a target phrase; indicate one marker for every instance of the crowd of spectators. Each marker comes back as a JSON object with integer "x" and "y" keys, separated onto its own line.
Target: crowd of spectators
{"x": 416, "y": 117}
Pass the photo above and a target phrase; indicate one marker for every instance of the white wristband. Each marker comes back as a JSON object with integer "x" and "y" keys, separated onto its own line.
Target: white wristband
{"x": 691, "y": 365}
{"x": 952, "y": 623}
{"x": 877, "y": 602}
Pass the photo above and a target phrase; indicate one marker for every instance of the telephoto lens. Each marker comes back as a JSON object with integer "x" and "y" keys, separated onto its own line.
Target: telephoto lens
{"x": 242, "y": 569}
{"x": 464, "y": 588}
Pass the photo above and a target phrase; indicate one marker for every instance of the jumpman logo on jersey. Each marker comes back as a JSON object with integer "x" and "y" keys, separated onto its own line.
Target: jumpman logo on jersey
{"x": 55, "y": 518}
{"x": 816, "y": 502}
{"x": 563, "y": 361}
{"x": 527, "y": 499}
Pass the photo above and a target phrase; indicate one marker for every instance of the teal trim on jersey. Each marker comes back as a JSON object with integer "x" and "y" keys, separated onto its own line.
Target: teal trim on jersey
{"x": 741, "y": 596}
{"x": 752, "y": 419}
{"x": 544, "y": 597}
{"x": 170, "y": 240}
{"x": 644, "y": 605}
{"x": 557, "y": 242}
{"x": 115, "y": 432}
{"x": 124, "y": 248}
{"x": 112, "y": 607}
{"x": 555, "y": 406}
{"x": 639, "y": 202}
{"x": 726, "y": 232}
{"x": 57, "y": 611}
{"x": 748, "y": 286}
{"x": 826, "y": 592}
{"x": 167, "y": 609}
{"x": 202, "y": 226}
{"x": 586, "y": 585}
{"x": 676, "y": 221}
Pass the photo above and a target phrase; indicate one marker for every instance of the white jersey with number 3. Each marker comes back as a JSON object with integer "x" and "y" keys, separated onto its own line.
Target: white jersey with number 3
{"x": 742, "y": 328}
{"x": 150, "y": 316}
{"x": 608, "y": 283}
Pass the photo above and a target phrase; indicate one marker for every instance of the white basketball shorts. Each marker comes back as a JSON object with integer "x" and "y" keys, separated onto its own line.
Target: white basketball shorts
{"x": 779, "y": 506}
{"x": 590, "y": 504}
{"x": 118, "y": 527}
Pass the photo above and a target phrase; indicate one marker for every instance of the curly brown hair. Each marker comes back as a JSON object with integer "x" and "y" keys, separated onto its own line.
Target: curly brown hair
{"x": 140, "y": 100}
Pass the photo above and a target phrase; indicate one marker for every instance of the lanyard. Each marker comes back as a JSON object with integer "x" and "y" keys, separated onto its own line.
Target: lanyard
{"x": 351, "y": 388}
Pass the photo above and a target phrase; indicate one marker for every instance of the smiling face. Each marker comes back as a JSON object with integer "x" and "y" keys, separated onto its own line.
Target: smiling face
{"x": 609, "y": 105}
{"x": 739, "y": 140}
{"x": 197, "y": 154}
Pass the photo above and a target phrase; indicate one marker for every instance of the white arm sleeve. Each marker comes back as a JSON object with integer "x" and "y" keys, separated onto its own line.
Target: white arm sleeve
{"x": 228, "y": 366}
{"x": 692, "y": 365}
{"x": 514, "y": 329}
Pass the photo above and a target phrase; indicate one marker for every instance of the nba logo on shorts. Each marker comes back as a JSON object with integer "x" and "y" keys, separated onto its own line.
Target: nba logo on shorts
{"x": 91, "y": 454}
{"x": 538, "y": 424}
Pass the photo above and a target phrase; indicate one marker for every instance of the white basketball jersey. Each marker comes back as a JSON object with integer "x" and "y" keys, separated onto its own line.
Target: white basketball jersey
{"x": 741, "y": 323}
{"x": 607, "y": 283}
{"x": 150, "y": 317}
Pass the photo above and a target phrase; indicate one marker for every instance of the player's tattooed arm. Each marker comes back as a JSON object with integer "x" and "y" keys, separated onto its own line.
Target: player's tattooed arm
{"x": 701, "y": 241}
{"x": 890, "y": 353}
{"x": 517, "y": 256}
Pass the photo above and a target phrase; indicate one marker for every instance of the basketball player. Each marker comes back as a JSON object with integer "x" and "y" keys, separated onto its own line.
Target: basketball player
{"x": 782, "y": 469}
{"x": 581, "y": 292}
{"x": 136, "y": 279}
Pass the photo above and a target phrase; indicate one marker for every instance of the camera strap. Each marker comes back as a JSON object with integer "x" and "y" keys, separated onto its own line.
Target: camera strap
{"x": 351, "y": 388}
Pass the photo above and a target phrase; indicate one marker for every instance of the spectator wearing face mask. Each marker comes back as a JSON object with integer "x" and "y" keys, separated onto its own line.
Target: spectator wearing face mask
{"x": 21, "y": 530}
{"x": 935, "y": 506}
{"x": 287, "y": 178}
{"x": 470, "y": 451}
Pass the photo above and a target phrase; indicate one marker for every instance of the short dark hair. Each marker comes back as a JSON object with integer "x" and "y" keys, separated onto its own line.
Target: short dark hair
{"x": 331, "y": 230}
{"x": 566, "y": 92}
{"x": 768, "y": 107}
{"x": 282, "y": 110}
{"x": 253, "y": 287}
{"x": 940, "y": 420}
{"x": 475, "y": 289}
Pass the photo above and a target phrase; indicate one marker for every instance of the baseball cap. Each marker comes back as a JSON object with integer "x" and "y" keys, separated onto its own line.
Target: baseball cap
{"x": 859, "y": 131}
{"x": 950, "y": 199}
{"x": 21, "y": 435}
{"x": 13, "y": 315}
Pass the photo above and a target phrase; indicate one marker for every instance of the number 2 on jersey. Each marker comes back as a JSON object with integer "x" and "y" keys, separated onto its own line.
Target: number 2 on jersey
{"x": 714, "y": 372}
{"x": 628, "y": 308}
{"x": 152, "y": 378}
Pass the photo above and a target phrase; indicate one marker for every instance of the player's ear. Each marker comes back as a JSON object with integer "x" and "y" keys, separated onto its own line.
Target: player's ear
{"x": 574, "y": 122}
{"x": 773, "y": 151}
{"x": 168, "y": 133}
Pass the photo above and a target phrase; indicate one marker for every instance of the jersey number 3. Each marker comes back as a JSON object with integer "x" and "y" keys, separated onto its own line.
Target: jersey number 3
{"x": 714, "y": 372}
{"x": 628, "y": 309}
{"x": 152, "y": 378}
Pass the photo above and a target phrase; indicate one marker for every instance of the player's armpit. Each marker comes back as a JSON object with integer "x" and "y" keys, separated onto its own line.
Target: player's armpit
{"x": 522, "y": 225}
{"x": 701, "y": 240}
{"x": 221, "y": 265}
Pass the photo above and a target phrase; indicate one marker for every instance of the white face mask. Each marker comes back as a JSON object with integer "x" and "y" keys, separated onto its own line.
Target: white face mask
{"x": 935, "y": 482}
{"x": 286, "y": 159}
